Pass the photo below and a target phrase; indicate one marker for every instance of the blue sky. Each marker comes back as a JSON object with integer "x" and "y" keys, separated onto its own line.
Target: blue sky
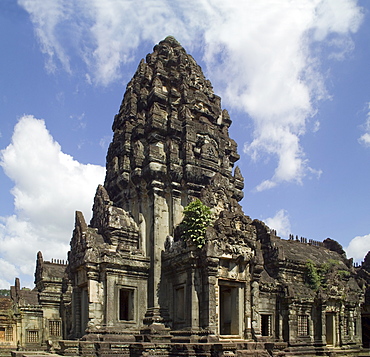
{"x": 293, "y": 75}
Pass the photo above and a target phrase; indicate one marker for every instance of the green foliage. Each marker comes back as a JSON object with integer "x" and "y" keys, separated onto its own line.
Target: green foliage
{"x": 313, "y": 277}
{"x": 343, "y": 274}
{"x": 197, "y": 217}
{"x": 4, "y": 292}
{"x": 318, "y": 276}
{"x": 331, "y": 263}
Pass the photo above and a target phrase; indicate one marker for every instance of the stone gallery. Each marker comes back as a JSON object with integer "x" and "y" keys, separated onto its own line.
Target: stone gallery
{"x": 169, "y": 264}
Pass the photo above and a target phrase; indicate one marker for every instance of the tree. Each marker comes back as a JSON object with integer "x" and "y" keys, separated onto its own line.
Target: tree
{"x": 4, "y": 292}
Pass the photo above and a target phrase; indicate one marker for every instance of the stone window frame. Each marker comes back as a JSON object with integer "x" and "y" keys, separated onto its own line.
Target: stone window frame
{"x": 32, "y": 336}
{"x": 134, "y": 300}
{"x": 55, "y": 328}
{"x": 9, "y": 336}
{"x": 346, "y": 325}
{"x": 303, "y": 325}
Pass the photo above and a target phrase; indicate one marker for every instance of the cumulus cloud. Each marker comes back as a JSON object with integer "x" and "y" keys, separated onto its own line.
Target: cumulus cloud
{"x": 358, "y": 247}
{"x": 365, "y": 138}
{"x": 280, "y": 222}
{"x": 278, "y": 80}
{"x": 49, "y": 186}
{"x": 258, "y": 53}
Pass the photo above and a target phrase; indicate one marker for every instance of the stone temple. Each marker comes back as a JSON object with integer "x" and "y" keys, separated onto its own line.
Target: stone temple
{"x": 132, "y": 286}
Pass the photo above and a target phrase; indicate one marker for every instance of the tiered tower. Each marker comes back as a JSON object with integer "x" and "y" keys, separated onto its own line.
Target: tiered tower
{"x": 170, "y": 143}
{"x": 138, "y": 285}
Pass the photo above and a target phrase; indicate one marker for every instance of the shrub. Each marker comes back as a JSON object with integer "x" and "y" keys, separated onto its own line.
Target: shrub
{"x": 320, "y": 276}
{"x": 197, "y": 217}
{"x": 313, "y": 278}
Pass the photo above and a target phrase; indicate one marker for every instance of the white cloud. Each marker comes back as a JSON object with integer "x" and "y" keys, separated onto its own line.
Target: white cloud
{"x": 358, "y": 247}
{"x": 269, "y": 71}
{"x": 280, "y": 222}
{"x": 47, "y": 16}
{"x": 336, "y": 16}
{"x": 48, "y": 187}
{"x": 258, "y": 53}
{"x": 365, "y": 138}
{"x": 119, "y": 27}
{"x": 10, "y": 273}
{"x": 105, "y": 141}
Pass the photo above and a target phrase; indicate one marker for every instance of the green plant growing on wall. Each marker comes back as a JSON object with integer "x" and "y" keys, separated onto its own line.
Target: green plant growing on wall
{"x": 325, "y": 269}
{"x": 197, "y": 217}
{"x": 318, "y": 276}
{"x": 313, "y": 277}
{"x": 330, "y": 264}
{"x": 343, "y": 274}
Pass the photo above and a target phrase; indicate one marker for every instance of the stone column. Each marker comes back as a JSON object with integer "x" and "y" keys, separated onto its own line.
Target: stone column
{"x": 111, "y": 300}
{"x": 96, "y": 299}
{"x": 311, "y": 327}
{"x": 158, "y": 234}
{"x": 292, "y": 323}
{"x": 194, "y": 300}
{"x": 351, "y": 325}
{"x": 177, "y": 208}
{"x": 208, "y": 304}
{"x": 359, "y": 325}
{"x": 248, "y": 311}
{"x": 256, "y": 326}
{"x": 280, "y": 323}
{"x": 323, "y": 323}
{"x": 212, "y": 308}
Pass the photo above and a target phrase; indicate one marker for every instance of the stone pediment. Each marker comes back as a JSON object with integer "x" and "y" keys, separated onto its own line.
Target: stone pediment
{"x": 116, "y": 226}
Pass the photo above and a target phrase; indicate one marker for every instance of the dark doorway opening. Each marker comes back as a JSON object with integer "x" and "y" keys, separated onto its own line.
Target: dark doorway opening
{"x": 229, "y": 310}
{"x": 266, "y": 329}
{"x": 365, "y": 320}
{"x": 126, "y": 304}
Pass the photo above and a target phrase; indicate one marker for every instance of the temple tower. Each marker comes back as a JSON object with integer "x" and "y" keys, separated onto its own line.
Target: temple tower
{"x": 141, "y": 284}
{"x": 170, "y": 144}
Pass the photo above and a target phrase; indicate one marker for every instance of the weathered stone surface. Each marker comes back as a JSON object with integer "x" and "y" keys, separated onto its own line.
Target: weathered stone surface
{"x": 135, "y": 287}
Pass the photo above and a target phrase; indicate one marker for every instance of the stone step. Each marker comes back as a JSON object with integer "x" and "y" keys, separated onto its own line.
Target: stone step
{"x": 252, "y": 353}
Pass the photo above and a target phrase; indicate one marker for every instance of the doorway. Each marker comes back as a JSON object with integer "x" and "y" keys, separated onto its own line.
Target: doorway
{"x": 266, "y": 325}
{"x": 84, "y": 310}
{"x": 330, "y": 329}
{"x": 229, "y": 310}
{"x": 365, "y": 320}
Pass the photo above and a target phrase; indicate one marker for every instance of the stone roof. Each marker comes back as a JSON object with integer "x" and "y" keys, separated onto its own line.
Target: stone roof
{"x": 5, "y": 303}
{"x": 27, "y": 297}
{"x": 54, "y": 270}
{"x": 301, "y": 252}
